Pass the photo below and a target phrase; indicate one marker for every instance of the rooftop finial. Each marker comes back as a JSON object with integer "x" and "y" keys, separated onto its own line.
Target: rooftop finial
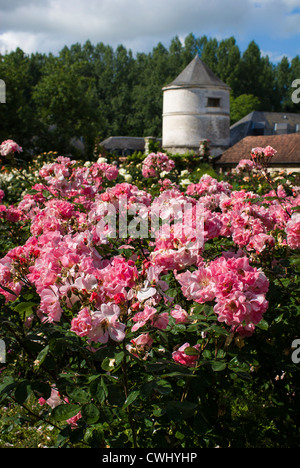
{"x": 198, "y": 51}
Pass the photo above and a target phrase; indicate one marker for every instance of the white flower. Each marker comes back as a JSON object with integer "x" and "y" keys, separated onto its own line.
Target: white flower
{"x": 185, "y": 182}
{"x": 101, "y": 160}
{"x": 145, "y": 293}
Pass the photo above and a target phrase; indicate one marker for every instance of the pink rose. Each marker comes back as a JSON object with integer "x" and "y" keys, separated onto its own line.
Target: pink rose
{"x": 140, "y": 318}
{"x": 9, "y": 146}
{"x": 244, "y": 165}
{"x": 198, "y": 285}
{"x": 50, "y": 304}
{"x": 180, "y": 357}
{"x": 155, "y": 163}
{"x": 82, "y": 324}
{"x": 269, "y": 151}
{"x": 293, "y": 231}
{"x": 260, "y": 241}
{"x": 143, "y": 340}
{"x": 179, "y": 314}
{"x": 53, "y": 401}
{"x": 257, "y": 150}
{"x": 105, "y": 324}
{"x": 160, "y": 321}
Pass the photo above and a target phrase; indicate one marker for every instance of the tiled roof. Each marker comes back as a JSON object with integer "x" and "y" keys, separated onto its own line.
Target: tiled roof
{"x": 287, "y": 147}
{"x": 242, "y": 128}
{"x": 197, "y": 73}
{"x": 124, "y": 142}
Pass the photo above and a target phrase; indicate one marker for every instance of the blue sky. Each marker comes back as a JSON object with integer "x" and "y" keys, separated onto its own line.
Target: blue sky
{"x": 48, "y": 25}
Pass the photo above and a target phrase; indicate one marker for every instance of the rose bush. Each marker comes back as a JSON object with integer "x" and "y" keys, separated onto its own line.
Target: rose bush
{"x": 141, "y": 318}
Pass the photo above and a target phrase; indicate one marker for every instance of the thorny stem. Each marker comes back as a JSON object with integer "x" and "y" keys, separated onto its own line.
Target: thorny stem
{"x": 126, "y": 391}
{"x": 36, "y": 416}
{"x": 142, "y": 250}
{"x": 188, "y": 380}
{"x": 270, "y": 182}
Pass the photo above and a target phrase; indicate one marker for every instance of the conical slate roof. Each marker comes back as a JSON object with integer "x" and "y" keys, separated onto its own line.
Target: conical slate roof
{"x": 197, "y": 74}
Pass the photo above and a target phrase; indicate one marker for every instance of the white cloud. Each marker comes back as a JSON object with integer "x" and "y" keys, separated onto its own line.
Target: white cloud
{"x": 275, "y": 56}
{"x": 11, "y": 40}
{"x": 36, "y": 25}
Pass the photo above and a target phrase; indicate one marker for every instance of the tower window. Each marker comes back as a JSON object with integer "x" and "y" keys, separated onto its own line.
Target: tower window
{"x": 213, "y": 102}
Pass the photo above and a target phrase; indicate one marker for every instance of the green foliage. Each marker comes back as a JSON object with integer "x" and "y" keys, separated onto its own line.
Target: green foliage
{"x": 52, "y": 100}
{"x": 243, "y": 393}
{"x": 242, "y": 105}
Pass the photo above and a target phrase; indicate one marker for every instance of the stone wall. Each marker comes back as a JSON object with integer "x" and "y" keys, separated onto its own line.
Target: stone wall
{"x": 187, "y": 119}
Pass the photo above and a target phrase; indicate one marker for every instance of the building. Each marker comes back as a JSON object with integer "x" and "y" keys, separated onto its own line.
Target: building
{"x": 287, "y": 156}
{"x": 123, "y": 145}
{"x": 196, "y": 107}
{"x": 264, "y": 123}
{"x": 126, "y": 145}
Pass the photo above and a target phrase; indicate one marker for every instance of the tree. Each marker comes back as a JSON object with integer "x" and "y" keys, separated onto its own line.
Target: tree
{"x": 295, "y": 75}
{"x": 209, "y": 54}
{"x": 175, "y": 60}
{"x": 257, "y": 76}
{"x": 283, "y": 82}
{"x": 18, "y": 117}
{"x": 228, "y": 60}
{"x": 153, "y": 74}
{"x": 192, "y": 47}
{"x": 66, "y": 102}
{"x": 242, "y": 106}
{"x": 93, "y": 91}
{"x": 121, "y": 101}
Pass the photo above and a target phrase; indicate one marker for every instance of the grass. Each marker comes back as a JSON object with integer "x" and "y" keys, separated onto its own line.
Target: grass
{"x": 20, "y": 430}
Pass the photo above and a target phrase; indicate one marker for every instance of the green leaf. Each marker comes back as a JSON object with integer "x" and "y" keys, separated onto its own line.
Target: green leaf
{"x": 94, "y": 436}
{"x": 99, "y": 390}
{"x": 76, "y": 435}
{"x": 190, "y": 351}
{"x": 63, "y": 436}
{"x": 65, "y": 411}
{"x": 90, "y": 413}
{"x": 78, "y": 395}
{"x": 131, "y": 398}
{"x": 163, "y": 387}
{"x": 179, "y": 410}
{"x": 263, "y": 325}
{"x": 111, "y": 363}
{"x": 218, "y": 366}
{"x": 22, "y": 391}
{"x": 220, "y": 330}
{"x": 25, "y": 307}
{"x": 172, "y": 292}
{"x": 221, "y": 354}
{"x": 42, "y": 389}
{"x": 42, "y": 356}
{"x": 7, "y": 384}
{"x": 179, "y": 435}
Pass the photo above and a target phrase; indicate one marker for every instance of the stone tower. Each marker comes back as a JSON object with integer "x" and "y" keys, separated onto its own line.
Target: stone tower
{"x": 195, "y": 108}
